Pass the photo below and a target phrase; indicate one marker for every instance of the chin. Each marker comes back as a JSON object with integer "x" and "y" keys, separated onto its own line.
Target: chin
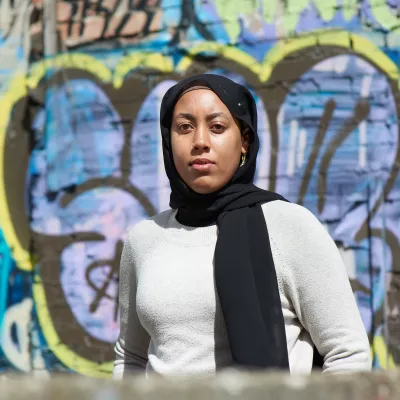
{"x": 204, "y": 186}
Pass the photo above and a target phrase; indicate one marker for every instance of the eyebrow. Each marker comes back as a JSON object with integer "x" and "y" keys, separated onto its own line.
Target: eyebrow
{"x": 209, "y": 117}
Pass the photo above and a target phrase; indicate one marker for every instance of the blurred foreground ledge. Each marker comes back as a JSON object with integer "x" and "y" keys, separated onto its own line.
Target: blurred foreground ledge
{"x": 227, "y": 385}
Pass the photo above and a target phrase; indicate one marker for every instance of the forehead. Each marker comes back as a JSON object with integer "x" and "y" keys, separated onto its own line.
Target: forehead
{"x": 200, "y": 101}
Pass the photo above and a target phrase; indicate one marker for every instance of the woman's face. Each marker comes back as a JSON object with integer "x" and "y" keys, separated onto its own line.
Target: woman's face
{"x": 206, "y": 141}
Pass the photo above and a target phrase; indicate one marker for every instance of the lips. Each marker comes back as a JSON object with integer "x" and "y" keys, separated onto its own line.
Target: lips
{"x": 202, "y": 164}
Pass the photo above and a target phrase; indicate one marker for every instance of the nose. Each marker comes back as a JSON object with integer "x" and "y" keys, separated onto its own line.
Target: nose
{"x": 201, "y": 139}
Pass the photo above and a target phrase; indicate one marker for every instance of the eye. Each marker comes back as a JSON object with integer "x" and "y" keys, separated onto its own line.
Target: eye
{"x": 219, "y": 128}
{"x": 185, "y": 127}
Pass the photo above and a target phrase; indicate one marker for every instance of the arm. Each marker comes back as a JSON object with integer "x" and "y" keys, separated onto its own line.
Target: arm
{"x": 319, "y": 288}
{"x": 133, "y": 341}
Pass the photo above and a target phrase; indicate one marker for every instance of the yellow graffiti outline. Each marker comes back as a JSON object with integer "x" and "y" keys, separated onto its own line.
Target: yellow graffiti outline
{"x": 228, "y": 52}
{"x": 80, "y": 61}
{"x": 382, "y": 354}
{"x": 61, "y": 351}
{"x": 141, "y": 60}
{"x": 338, "y": 38}
{"x": 18, "y": 89}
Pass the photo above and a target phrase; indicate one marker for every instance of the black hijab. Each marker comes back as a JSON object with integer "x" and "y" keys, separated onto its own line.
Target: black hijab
{"x": 245, "y": 274}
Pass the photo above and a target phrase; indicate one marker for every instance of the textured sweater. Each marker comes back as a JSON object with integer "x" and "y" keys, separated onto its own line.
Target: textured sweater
{"x": 171, "y": 320}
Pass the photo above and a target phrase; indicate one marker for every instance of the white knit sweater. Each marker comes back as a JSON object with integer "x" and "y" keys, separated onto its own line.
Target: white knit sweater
{"x": 171, "y": 321}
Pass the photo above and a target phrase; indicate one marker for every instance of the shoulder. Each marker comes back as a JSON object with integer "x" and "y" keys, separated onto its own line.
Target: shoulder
{"x": 147, "y": 231}
{"x": 298, "y": 238}
{"x": 296, "y": 231}
{"x": 290, "y": 217}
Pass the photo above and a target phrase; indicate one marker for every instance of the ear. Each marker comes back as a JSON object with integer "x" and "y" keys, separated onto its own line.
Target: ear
{"x": 245, "y": 143}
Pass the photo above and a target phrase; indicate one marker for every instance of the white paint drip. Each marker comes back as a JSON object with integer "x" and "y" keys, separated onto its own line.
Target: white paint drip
{"x": 281, "y": 116}
{"x": 265, "y": 153}
{"x": 301, "y": 147}
{"x": 294, "y": 126}
{"x": 366, "y": 85}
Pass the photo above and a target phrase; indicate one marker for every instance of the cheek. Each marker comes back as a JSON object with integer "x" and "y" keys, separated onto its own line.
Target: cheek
{"x": 179, "y": 150}
{"x": 229, "y": 150}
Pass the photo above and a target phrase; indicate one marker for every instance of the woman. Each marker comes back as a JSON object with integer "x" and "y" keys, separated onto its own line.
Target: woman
{"x": 232, "y": 275}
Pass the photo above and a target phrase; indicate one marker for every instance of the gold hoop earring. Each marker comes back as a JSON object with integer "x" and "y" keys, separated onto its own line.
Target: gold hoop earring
{"x": 243, "y": 160}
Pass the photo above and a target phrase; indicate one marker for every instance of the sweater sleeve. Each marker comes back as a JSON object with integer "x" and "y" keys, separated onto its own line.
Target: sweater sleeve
{"x": 315, "y": 277}
{"x": 132, "y": 345}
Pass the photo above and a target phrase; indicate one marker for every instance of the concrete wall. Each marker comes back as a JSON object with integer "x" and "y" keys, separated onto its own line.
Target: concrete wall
{"x": 225, "y": 386}
{"x": 80, "y": 156}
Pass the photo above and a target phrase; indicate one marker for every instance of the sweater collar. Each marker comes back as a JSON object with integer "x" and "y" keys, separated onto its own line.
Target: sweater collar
{"x": 189, "y": 235}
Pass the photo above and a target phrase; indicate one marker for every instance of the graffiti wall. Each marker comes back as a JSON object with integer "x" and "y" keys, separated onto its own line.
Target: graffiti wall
{"x": 81, "y": 160}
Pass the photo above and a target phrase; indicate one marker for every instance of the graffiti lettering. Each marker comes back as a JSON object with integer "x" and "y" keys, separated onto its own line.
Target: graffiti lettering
{"x": 86, "y": 21}
{"x": 190, "y": 19}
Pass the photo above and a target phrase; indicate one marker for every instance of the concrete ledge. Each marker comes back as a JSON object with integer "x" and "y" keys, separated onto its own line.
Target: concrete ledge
{"x": 227, "y": 385}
